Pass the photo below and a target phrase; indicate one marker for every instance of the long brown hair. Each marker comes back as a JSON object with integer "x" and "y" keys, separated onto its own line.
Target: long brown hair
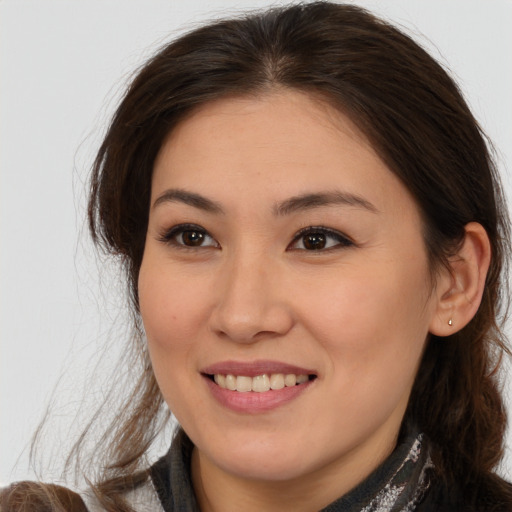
{"x": 415, "y": 117}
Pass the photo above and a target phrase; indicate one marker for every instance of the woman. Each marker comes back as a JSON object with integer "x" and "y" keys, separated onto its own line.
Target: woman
{"x": 314, "y": 237}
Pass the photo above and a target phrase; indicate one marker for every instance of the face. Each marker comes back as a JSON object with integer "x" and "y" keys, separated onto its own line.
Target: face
{"x": 284, "y": 288}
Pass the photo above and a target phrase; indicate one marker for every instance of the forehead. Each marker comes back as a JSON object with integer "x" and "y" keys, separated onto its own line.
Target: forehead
{"x": 266, "y": 120}
{"x": 280, "y": 144}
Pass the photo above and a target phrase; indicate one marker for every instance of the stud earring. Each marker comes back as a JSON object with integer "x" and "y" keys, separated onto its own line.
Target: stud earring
{"x": 450, "y": 322}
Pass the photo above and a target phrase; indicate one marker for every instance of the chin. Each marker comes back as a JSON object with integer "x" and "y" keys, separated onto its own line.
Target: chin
{"x": 264, "y": 463}
{"x": 268, "y": 470}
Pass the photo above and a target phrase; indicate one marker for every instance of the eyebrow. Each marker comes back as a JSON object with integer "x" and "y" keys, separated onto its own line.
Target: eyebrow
{"x": 287, "y": 207}
{"x": 319, "y": 200}
{"x": 190, "y": 198}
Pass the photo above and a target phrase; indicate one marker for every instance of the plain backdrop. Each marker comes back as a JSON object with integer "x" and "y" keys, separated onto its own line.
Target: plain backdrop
{"x": 63, "y": 65}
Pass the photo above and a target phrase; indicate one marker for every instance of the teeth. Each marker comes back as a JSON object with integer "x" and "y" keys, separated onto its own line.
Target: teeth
{"x": 220, "y": 380}
{"x": 290, "y": 380}
{"x": 231, "y": 382}
{"x": 260, "y": 383}
{"x": 302, "y": 378}
{"x": 243, "y": 384}
{"x": 277, "y": 381}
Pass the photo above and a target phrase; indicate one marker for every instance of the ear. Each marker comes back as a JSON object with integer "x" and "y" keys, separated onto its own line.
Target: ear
{"x": 460, "y": 288}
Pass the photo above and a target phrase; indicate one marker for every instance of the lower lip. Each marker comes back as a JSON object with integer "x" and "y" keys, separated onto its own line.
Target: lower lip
{"x": 252, "y": 402}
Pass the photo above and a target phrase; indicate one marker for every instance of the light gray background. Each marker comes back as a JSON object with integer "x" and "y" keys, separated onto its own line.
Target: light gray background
{"x": 63, "y": 65}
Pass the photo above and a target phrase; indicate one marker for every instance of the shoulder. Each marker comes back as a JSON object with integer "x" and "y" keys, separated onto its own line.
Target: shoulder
{"x": 39, "y": 497}
{"x": 141, "y": 498}
{"x": 492, "y": 495}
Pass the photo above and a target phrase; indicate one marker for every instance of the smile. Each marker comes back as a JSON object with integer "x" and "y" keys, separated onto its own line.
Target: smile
{"x": 259, "y": 383}
{"x": 257, "y": 386}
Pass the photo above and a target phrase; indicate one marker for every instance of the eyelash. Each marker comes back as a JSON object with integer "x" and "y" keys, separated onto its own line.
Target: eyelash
{"x": 342, "y": 240}
{"x": 170, "y": 237}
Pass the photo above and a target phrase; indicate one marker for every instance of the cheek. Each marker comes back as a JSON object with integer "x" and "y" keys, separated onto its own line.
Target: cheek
{"x": 170, "y": 306}
{"x": 171, "y": 311}
{"x": 375, "y": 320}
{"x": 373, "y": 330}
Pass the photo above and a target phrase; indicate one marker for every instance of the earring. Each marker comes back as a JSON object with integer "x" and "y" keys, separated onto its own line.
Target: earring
{"x": 450, "y": 322}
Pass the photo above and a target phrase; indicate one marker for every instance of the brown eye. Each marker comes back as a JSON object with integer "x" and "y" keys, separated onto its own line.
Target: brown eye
{"x": 192, "y": 238}
{"x": 319, "y": 239}
{"x": 188, "y": 235}
{"x": 314, "y": 241}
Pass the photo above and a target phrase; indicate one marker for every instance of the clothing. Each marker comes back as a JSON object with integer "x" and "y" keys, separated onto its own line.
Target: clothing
{"x": 404, "y": 482}
{"x": 398, "y": 485}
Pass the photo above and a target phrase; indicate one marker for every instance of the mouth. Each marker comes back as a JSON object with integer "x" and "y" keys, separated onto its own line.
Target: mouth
{"x": 257, "y": 386}
{"x": 259, "y": 383}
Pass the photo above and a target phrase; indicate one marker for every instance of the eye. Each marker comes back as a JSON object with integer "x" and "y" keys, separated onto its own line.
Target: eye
{"x": 318, "y": 239}
{"x": 188, "y": 235}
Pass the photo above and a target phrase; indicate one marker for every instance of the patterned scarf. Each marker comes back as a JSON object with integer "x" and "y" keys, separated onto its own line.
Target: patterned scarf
{"x": 399, "y": 484}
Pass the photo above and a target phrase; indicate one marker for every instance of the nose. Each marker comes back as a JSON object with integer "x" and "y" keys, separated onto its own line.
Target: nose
{"x": 252, "y": 303}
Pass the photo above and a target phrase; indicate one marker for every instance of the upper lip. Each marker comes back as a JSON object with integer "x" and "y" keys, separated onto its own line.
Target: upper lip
{"x": 254, "y": 368}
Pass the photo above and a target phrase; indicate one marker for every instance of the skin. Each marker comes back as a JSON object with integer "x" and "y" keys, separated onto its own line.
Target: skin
{"x": 358, "y": 312}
